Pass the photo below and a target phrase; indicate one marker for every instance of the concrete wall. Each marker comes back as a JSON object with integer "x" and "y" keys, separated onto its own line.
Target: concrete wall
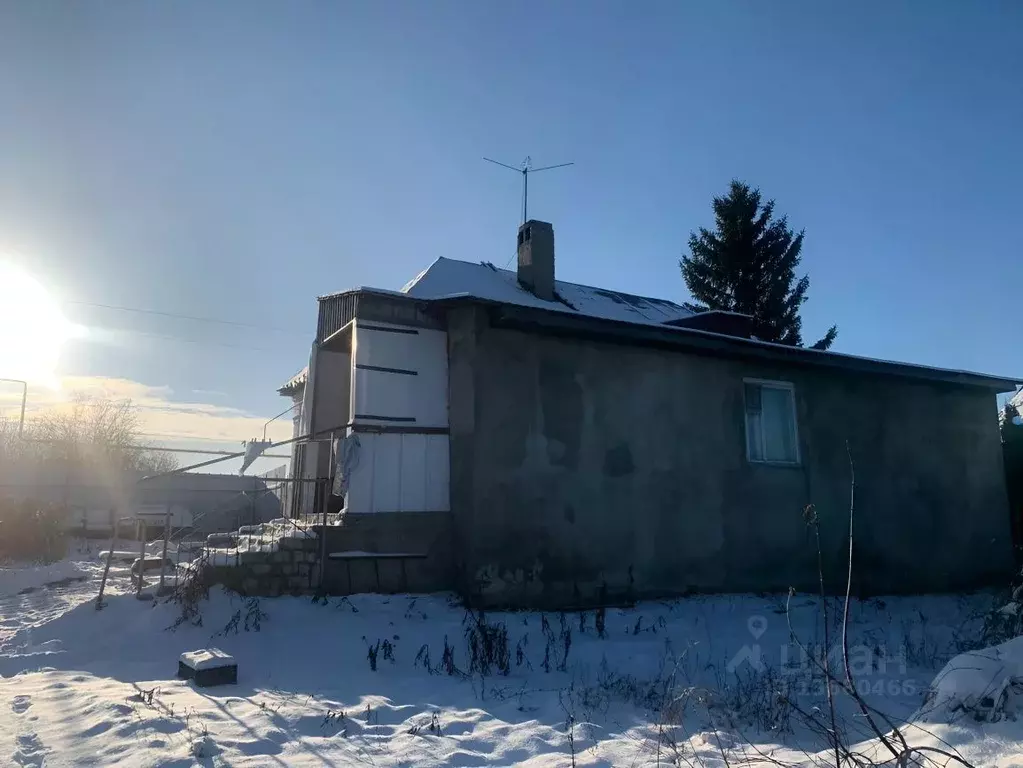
{"x": 292, "y": 569}
{"x": 295, "y": 567}
{"x": 578, "y": 463}
{"x": 419, "y": 533}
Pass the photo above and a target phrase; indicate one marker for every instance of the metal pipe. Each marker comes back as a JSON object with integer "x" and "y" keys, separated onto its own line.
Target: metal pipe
{"x": 142, "y": 555}
{"x": 277, "y": 417}
{"x": 163, "y": 557}
{"x": 110, "y": 556}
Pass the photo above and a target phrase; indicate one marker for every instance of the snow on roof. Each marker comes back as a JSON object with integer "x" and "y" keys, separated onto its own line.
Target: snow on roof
{"x": 1017, "y": 400}
{"x": 295, "y": 382}
{"x": 450, "y": 277}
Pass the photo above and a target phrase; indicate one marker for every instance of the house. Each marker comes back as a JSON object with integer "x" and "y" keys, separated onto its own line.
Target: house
{"x": 550, "y": 444}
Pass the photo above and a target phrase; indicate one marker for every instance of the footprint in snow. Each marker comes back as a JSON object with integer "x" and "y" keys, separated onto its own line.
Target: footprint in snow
{"x": 30, "y": 751}
{"x": 21, "y": 704}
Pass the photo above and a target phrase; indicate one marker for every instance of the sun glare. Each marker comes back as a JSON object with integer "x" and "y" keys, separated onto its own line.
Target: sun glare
{"x": 32, "y": 328}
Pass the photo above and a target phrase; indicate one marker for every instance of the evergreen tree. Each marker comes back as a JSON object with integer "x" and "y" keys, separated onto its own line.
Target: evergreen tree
{"x": 748, "y": 265}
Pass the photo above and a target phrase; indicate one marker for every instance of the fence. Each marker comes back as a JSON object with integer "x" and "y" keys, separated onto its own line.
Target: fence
{"x": 276, "y": 483}
{"x": 274, "y": 557}
{"x": 265, "y": 557}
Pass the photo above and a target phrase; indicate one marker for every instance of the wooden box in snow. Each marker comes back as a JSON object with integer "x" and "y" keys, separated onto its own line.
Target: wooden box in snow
{"x": 209, "y": 666}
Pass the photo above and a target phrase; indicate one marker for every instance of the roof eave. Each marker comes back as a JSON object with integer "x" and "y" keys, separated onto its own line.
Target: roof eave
{"x": 709, "y": 342}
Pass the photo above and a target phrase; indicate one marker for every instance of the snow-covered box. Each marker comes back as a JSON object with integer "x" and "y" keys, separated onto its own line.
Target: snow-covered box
{"x": 208, "y": 666}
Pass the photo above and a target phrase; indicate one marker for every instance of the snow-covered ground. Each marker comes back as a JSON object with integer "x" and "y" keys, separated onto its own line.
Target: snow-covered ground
{"x": 87, "y": 687}
{"x": 21, "y": 578}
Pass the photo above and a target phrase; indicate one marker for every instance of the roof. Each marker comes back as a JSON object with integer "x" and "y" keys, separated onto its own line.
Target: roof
{"x": 585, "y": 310}
{"x": 295, "y": 383}
{"x": 449, "y": 278}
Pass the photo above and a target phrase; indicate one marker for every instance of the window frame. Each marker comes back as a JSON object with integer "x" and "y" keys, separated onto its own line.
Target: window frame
{"x": 789, "y": 387}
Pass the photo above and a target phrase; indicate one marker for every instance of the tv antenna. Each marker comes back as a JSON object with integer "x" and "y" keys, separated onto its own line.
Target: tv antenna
{"x": 525, "y": 169}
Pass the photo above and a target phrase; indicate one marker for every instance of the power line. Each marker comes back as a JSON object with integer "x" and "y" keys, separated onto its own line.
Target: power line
{"x": 181, "y": 316}
{"x": 206, "y": 342}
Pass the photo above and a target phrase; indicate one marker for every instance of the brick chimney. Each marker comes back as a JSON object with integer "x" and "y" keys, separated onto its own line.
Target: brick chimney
{"x": 536, "y": 258}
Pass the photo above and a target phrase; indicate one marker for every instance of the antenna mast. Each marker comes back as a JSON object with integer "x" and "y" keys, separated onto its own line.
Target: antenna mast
{"x": 525, "y": 169}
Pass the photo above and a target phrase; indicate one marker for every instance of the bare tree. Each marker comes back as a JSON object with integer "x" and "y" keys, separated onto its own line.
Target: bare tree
{"x": 89, "y": 433}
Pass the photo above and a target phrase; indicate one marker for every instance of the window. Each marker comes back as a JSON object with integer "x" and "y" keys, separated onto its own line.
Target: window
{"x": 771, "y": 422}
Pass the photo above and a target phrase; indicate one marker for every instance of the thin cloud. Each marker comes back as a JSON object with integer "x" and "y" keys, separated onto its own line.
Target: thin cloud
{"x": 159, "y": 414}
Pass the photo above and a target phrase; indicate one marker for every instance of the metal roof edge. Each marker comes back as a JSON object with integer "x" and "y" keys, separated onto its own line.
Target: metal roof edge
{"x": 364, "y": 289}
{"x": 709, "y": 341}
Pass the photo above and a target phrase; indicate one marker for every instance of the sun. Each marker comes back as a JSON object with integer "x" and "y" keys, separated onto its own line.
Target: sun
{"x": 32, "y": 328}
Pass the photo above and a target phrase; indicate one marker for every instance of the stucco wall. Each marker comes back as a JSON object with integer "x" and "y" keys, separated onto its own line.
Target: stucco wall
{"x": 577, "y": 463}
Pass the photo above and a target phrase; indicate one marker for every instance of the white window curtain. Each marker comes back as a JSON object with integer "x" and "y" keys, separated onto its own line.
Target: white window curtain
{"x": 770, "y": 423}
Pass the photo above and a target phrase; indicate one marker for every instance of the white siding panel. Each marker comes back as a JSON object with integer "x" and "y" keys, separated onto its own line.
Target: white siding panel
{"x": 378, "y": 393}
{"x": 422, "y": 394}
{"x": 437, "y": 473}
{"x": 387, "y": 474}
{"x": 400, "y": 473}
{"x": 413, "y": 473}
{"x": 360, "y": 482}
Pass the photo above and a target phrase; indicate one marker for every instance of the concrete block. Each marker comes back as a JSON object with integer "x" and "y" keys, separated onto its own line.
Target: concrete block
{"x": 288, "y": 570}
{"x": 289, "y": 543}
{"x": 282, "y": 557}
{"x": 298, "y": 582}
{"x": 250, "y": 585}
{"x": 274, "y": 586}
{"x": 303, "y": 569}
{"x": 261, "y": 569}
{"x": 250, "y": 558}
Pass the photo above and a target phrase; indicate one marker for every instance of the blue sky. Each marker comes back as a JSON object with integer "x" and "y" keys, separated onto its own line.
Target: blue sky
{"x": 236, "y": 159}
